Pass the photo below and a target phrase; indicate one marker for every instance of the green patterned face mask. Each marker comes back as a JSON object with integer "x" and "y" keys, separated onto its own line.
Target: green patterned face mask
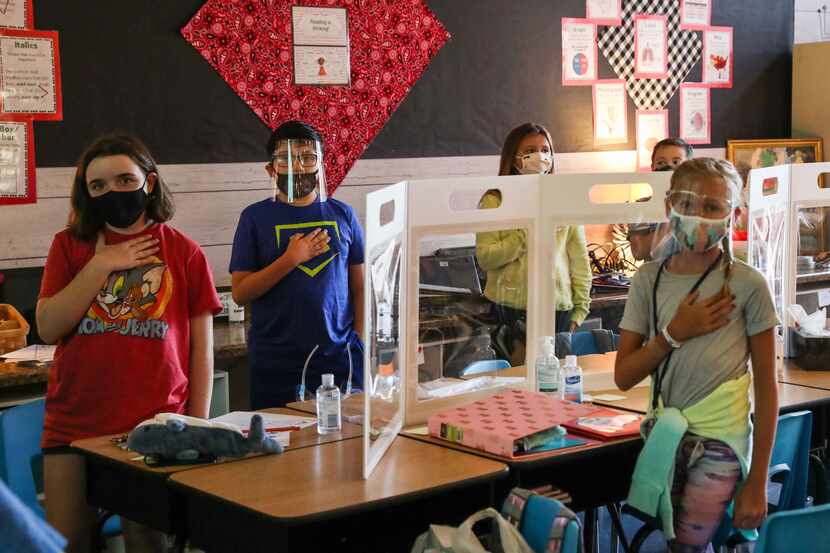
{"x": 698, "y": 234}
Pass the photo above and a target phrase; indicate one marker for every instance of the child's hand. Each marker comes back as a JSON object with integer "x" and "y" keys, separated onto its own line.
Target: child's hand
{"x": 750, "y": 505}
{"x": 302, "y": 247}
{"x": 695, "y": 318}
{"x": 125, "y": 255}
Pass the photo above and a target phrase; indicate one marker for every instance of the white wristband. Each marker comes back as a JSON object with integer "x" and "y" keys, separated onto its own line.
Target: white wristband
{"x": 672, "y": 342}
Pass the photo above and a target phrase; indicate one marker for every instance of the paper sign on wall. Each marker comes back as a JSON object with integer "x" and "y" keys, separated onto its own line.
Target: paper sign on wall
{"x": 651, "y": 45}
{"x": 610, "y": 117}
{"x": 695, "y": 113}
{"x": 30, "y": 84}
{"x": 17, "y": 163}
{"x": 604, "y": 12}
{"x": 16, "y": 14}
{"x": 695, "y": 14}
{"x": 321, "y": 46}
{"x": 718, "y": 59}
{"x": 652, "y": 127}
{"x": 579, "y": 52}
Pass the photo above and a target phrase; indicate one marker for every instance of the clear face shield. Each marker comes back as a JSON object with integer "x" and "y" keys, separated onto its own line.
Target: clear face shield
{"x": 700, "y": 217}
{"x": 298, "y": 170}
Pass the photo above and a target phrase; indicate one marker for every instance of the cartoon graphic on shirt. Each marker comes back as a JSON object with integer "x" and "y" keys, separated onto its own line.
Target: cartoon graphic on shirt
{"x": 312, "y": 267}
{"x": 132, "y": 302}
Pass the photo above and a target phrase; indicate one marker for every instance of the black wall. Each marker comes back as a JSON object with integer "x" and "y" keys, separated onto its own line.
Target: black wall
{"x": 125, "y": 66}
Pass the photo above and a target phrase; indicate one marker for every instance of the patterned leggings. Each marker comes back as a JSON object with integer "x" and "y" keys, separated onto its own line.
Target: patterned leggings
{"x": 706, "y": 474}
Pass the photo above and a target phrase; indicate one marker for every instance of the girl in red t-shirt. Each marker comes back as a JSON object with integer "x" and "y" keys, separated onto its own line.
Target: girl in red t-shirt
{"x": 129, "y": 301}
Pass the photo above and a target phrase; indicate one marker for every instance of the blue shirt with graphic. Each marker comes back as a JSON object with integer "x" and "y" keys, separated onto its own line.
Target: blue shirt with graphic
{"x": 312, "y": 304}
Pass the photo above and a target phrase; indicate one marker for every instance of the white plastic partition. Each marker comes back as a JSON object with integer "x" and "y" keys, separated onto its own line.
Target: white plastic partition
{"x": 775, "y": 192}
{"x": 572, "y": 200}
{"x": 384, "y": 312}
{"x": 434, "y": 209}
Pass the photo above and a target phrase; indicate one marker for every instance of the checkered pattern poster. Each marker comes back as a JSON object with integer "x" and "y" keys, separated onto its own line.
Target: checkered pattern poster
{"x": 618, "y": 47}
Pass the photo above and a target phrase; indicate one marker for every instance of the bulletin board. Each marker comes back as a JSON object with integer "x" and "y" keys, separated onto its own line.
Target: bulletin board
{"x": 126, "y": 66}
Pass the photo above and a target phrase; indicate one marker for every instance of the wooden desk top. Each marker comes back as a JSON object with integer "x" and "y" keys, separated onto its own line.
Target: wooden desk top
{"x": 102, "y": 446}
{"x": 792, "y": 374}
{"x": 318, "y": 482}
{"x": 15, "y": 374}
{"x": 351, "y": 406}
{"x": 790, "y": 396}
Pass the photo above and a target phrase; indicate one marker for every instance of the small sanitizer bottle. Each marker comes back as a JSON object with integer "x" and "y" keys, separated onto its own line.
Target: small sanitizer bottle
{"x": 570, "y": 388}
{"x": 328, "y": 406}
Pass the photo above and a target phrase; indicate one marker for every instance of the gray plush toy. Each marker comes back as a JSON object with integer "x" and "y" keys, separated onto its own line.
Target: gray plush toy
{"x": 169, "y": 438}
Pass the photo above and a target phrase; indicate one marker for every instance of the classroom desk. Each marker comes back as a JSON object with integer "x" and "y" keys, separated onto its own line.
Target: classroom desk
{"x": 790, "y": 398}
{"x": 792, "y": 374}
{"x": 352, "y": 406}
{"x": 141, "y": 493}
{"x": 302, "y": 499}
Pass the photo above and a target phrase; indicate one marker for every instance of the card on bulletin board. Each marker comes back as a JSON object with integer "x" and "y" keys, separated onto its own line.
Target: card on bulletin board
{"x": 651, "y": 46}
{"x": 30, "y": 77}
{"x": 695, "y": 113}
{"x": 604, "y": 12}
{"x": 652, "y": 127}
{"x": 17, "y": 163}
{"x": 16, "y": 14}
{"x": 321, "y": 46}
{"x": 718, "y": 57}
{"x": 610, "y": 114}
{"x": 695, "y": 14}
{"x": 579, "y": 52}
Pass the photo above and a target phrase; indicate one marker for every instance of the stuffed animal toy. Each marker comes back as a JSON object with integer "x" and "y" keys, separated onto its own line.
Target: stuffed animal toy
{"x": 169, "y": 438}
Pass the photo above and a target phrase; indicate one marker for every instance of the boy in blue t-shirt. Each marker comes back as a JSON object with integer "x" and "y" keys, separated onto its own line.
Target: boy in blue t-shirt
{"x": 298, "y": 260}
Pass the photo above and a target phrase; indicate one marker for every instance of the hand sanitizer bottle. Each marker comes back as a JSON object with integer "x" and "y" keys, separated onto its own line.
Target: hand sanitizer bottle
{"x": 328, "y": 406}
{"x": 547, "y": 366}
{"x": 570, "y": 388}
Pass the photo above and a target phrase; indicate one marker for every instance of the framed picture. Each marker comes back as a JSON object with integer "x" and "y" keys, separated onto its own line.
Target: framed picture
{"x": 754, "y": 154}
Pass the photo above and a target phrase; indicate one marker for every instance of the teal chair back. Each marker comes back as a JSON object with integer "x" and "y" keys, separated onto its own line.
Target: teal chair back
{"x": 20, "y": 455}
{"x": 487, "y": 365}
{"x": 536, "y": 523}
{"x": 792, "y": 448}
{"x": 798, "y": 531}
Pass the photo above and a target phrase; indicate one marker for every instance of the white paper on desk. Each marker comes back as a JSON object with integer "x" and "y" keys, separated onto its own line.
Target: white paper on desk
{"x": 35, "y": 352}
{"x": 284, "y": 438}
{"x": 242, "y": 419}
{"x": 447, "y": 387}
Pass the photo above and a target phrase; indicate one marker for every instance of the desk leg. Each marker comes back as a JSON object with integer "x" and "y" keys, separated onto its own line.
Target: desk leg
{"x": 591, "y": 534}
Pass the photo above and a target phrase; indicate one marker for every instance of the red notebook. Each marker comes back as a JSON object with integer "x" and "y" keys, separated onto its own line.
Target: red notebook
{"x": 606, "y": 424}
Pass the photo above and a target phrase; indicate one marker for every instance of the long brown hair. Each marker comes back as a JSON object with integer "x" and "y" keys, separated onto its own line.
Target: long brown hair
{"x": 84, "y": 222}
{"x": 507, "y": 166}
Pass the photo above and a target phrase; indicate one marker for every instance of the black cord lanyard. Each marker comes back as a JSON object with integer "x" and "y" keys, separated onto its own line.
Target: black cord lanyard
{"x": 660, "y": 371}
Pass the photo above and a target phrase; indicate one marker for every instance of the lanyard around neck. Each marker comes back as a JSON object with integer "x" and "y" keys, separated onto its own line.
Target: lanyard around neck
{"x": 660, "y": 371}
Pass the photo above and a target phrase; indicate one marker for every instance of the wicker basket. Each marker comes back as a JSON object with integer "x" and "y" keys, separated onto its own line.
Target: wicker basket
{"x": 14, "y": 338}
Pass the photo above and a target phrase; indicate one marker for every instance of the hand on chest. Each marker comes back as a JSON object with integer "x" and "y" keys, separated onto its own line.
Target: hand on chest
{"x": 284, "y": 234}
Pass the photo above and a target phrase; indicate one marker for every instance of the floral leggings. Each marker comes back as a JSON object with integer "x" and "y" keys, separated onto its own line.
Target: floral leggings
{"x": 706, "y": 473}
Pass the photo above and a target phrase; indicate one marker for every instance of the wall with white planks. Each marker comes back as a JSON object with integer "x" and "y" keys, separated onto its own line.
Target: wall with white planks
{"x": 209, "y": 197}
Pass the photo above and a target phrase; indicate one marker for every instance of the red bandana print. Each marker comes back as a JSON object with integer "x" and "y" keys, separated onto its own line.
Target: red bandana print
{"x": 249, "y": 43}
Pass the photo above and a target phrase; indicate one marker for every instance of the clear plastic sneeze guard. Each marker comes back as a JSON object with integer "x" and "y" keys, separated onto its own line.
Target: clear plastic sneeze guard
{"x": 384, "y": 284}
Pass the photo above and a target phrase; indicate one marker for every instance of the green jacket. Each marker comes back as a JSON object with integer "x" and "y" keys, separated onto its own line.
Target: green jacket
{"x": 722, "y": 415}
{"x": 503, "y": 254}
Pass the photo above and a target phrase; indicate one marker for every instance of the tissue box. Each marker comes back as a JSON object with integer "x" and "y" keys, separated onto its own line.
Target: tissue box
{"x": 811, "y": 353}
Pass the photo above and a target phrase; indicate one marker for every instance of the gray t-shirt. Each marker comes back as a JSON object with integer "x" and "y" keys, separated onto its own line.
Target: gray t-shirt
{"x": 702, "y": 364}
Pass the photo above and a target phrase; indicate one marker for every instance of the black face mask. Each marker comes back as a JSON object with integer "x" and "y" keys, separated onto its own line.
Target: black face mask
{"x": 665, "y": 168}
{"x": 121, "y": 209}
{"x": 304, "y": 184}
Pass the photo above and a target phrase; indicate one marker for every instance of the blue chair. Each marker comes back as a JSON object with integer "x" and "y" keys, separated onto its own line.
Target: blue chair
{"x": 537, "y": 520}
{"x": 486, "y": 365}
{"x": 798, "y": 531}
{"x": 585, "y": 343}
{"x": 21, "y": 461}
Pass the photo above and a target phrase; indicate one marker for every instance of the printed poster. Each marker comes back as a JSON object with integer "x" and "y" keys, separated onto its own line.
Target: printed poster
{"x": 17, "y": 163}
{"x": 717, "y": 57}
{"x": 16, "y": 14}
{"x": 695, "y": 14}
{"x": 579, "y": 52}
{"x": 695, "y": 113}
{"x": 610, "y": 117}
{"x": 604, "y": 12}
{"x": 321, "y": 46}
{"x": 30, "y": 75}
{"x": 651, "y": 47}
{"x": 652, "y": 127}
